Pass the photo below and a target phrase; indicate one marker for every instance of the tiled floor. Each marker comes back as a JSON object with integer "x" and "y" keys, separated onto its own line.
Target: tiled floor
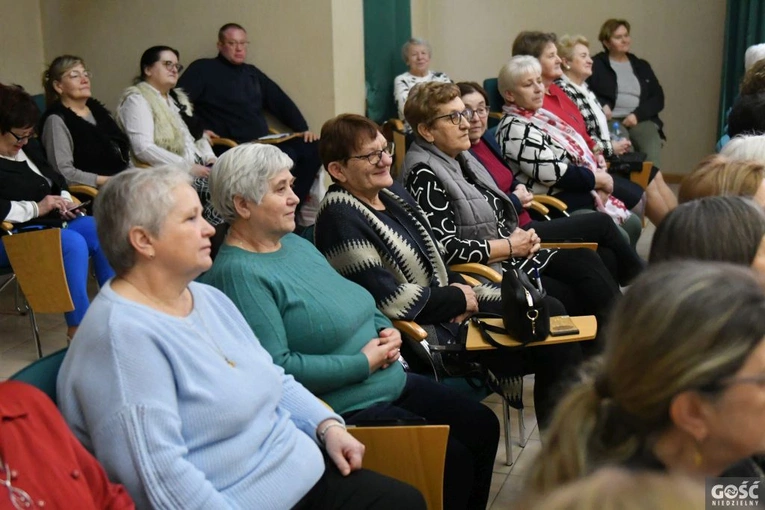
{"x": 17, "y": 350}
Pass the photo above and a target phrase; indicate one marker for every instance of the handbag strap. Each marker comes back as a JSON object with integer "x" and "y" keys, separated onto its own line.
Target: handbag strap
{"x": 484, "y": 329}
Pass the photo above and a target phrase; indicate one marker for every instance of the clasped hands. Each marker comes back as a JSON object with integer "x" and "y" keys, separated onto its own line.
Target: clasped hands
{"x": 384, "y": 350}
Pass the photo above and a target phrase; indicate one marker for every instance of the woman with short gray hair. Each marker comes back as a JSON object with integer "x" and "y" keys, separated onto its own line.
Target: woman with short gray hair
{"x": 416, "y": 54}
{"x": 169, "y": 388}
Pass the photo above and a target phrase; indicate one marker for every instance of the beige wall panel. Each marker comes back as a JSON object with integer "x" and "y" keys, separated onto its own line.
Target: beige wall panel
{"x": 291, "y": 40}
{"x": 348, "y": 57}
{"x": 22, "y": 59}
{"x": 682, "y": 39}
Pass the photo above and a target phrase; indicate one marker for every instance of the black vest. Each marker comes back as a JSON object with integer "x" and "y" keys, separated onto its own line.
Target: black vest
{"x": 102, "y": 148}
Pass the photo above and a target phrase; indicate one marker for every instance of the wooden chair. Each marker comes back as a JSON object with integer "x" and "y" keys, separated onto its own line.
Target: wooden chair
{"x": 414, "y": 454}
{"x": 393, "y": 131}
{"x": 38, "y": 265}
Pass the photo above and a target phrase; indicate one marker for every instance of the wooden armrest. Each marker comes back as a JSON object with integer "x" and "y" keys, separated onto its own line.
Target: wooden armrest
{"x": 7, "y": 226}
{"x": 141, "y": 164}
{"x": 226, "y": 142}
{"x": 570, "y": 246}
{"x": 477, "y": 270}
{"x": 551, "y": 201}
{"x": 641, "y": 178}
{"x": 541, "y": 209}
{"x": 470, "y": 280}
{"x": 82, "y": 189}
{"x": 397, "y": 124}
{"x": 496, "y": 115}
{"x": 410, "y": 329}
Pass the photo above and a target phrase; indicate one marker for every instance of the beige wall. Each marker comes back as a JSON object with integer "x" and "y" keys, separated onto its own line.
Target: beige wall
{"x": 682, "y": 39}
{"x": 291, "y": 40}
{"x": 22, "y": 59}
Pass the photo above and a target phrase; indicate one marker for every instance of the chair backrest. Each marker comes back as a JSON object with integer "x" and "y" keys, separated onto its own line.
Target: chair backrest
{"x": 43, "y": 373}
{"x": 413, "y": 454}
{"x": 495, "y": 98}
{"x": 39, "y": 267}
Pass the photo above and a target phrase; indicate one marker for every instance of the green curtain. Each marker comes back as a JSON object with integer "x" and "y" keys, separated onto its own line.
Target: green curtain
{"x": 387, "y": 26}
{"x": 744, "y": 26}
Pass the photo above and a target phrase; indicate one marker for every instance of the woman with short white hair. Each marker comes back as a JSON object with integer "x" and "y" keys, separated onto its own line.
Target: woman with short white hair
{"x": 167, "y": 385}
{"x": 416, "y": 54}
{"x": 745, "y": 147}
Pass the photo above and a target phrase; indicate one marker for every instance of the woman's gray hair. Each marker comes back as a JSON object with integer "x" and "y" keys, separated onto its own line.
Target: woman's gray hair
{"x": 745, "y": 147}
{"x": 512, "y": 72}
{"x": 753, "y": 54}
{"x": 414, "y": 41}
{"x": 134, "y": 198}
{"x": 245, "y": 171}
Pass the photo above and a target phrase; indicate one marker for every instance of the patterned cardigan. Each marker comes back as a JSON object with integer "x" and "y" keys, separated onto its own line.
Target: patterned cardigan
{"x": 399, "y": 273}
{"x": 590, "y": 118}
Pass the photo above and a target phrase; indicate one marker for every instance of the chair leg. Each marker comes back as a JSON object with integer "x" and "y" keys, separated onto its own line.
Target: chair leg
{"x": 508, "y": 428}
{"x": 20, "y": 298}
{"x": 35, "y": 333}
{"x": 521, "y": 429}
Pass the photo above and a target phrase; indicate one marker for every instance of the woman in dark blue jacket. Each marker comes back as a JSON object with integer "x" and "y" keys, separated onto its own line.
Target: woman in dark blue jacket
{"x": 628, "y": 89}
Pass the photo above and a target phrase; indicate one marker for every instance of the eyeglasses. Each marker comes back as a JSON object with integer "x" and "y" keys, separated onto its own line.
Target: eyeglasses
{"x": 170, "y": 65}
{"x": 22, "y": 138}
{"x": 375, "y": 157}
{"x": 237, "y": 44}
{"x": 456, "y": 117}
{"x": 481, "y": 112}
{"x": 76, "y": 75}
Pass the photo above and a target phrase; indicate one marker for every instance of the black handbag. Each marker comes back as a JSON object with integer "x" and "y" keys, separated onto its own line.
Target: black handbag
{"x": 525, "y": 312}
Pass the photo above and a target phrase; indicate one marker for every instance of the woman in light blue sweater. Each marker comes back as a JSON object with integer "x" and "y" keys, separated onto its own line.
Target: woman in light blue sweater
{"x": 169, "y": 388}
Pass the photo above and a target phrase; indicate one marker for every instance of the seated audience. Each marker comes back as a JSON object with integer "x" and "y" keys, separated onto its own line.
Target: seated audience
{"x": 34, "y": 195}
{"x": 416, "y": 53}
{"x": 42, "y": 464}
{"x": 620, "y": 489}
{"x": 474, "y": 220}
{"x": 81, "y": 139}
{"x": 232, "y": 98}
{"x": 620, "y": 259}
{"x": 542, "y": 46}
{"x": 738, "y": 224}
{"x": 159, "y": 120}
{"x": 169, "y": 388}
{"x": 680, "y": 393}
{"x": 325, "y": 330}
{"x": 545, "y": 155}
{"x": 719, "y": 175}
{"x": 577, "y": 66}
{"x": 628, "y": 89}
{"x": 373, "y": 233}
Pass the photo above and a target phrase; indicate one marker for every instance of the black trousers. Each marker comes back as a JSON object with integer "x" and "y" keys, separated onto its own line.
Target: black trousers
{"x": 307, "y": 163}
{"x": 617, "y": 255}
{"x": 473, "y": 436}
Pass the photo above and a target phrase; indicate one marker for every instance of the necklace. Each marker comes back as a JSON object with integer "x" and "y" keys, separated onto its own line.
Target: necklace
{"x": 212, "y": 343}
{"x": 19, "y": 497}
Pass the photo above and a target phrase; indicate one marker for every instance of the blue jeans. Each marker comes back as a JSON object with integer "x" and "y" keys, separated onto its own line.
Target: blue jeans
{"x": 78, "y": 242}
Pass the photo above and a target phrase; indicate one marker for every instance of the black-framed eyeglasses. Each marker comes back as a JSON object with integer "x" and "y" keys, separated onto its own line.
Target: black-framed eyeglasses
{"x": 170, "y": 65}
{"x": 375, "y": 157}
{"x": 22, "y": 138}
{"x": 456, "y": 117}
{"x": 481, "y": 111}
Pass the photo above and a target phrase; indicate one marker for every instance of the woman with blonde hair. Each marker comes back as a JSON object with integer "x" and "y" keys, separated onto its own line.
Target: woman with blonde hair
{"x": 81, "y": 138}
{"x": 717, "y": 175}
{"x": 680, "y": 393}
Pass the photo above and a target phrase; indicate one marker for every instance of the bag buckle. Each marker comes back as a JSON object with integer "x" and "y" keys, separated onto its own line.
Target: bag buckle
{"x": 532, "y": 316}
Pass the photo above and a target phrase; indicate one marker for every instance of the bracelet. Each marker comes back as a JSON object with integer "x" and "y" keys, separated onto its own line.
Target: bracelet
{"x": 323, "y": 432}
{"x": 511, "y": 247}
{"x": 36, "y": 208}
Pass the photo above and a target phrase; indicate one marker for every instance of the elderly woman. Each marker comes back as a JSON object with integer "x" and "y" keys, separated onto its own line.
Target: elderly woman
{"x": 158, "y": 119}
{"x": 718, "y": 175}
{"x": 616, "y": 253}
{"x": 681, "y": 393}
{"x": 33, "y": 429}
{"x": 34, "y": 195}
{"x": 416, "y": 54}
{"x": 738, "y": 223}
{"x": 172, "y": 391}
{"x": 628, "y": 89}
{"x": 82, "y": 140}
{"x": 577, "y": 65}
{"x": 288, "y": 292}
{"x": 546, "y": 155}
{"x": 474, "y": 220}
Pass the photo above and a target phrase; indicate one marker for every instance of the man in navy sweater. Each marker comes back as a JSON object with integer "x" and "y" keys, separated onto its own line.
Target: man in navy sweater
{"x": 231, "y": 97}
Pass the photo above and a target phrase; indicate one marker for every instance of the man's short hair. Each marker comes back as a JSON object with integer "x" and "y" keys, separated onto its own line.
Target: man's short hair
{"x": 229, "y": 26}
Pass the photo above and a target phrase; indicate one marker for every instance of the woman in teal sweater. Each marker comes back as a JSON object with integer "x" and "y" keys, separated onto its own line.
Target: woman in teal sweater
{"x": 325, "y": 330}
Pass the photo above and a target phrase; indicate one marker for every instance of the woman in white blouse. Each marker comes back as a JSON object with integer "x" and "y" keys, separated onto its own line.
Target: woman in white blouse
{"x": 416, "y": 53}
{"x": 158, "y": 119}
